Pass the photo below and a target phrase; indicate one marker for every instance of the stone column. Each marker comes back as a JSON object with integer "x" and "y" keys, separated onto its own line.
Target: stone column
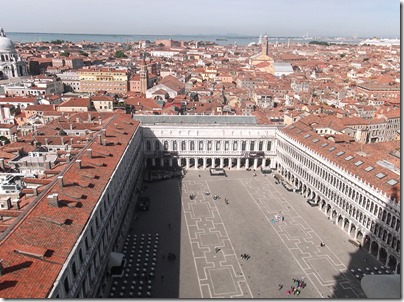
{"x": 238, "y": 163}
{"x": 213, "y": 162}
{"x": 221, "y": 162}
{"x": 247, "y": 163}
{"x": 179, "y": 162}
{"x": 196, "y": 163}
{"x": 263, "y": 163}
{"x": 187, "y": 163}
{"x": 255, "y": 163}
{"x": 273, "y": 163}
{"x": 170, "y": 162}
{"x": 204, "y": 162}
{"x": 153, "y": 162}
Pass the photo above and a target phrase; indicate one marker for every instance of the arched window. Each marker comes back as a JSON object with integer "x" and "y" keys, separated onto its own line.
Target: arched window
{"x": 148, "y": 145}
{"x": 217, "y": 145}
{"x": 235, "y": 146}
{"x": 175, "y": 145}
{"x": 165, "y": 145}
{"x": 226, "y": 145}
{"x": 183, "y": 146}
{"x": 243, "y": 145}
{"x": 200, "y": 148}
{"x": 192, "y": 146}
{"x": 209, "y": 145}
{"x": 157, "y": 145}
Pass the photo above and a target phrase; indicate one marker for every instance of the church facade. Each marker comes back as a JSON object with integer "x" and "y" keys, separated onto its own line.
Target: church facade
{"x": 11, "y": 65}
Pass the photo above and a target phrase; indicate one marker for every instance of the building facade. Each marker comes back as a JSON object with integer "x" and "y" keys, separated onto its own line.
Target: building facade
{"x": 103, "y": 79}
{"x": 11, "y": 65}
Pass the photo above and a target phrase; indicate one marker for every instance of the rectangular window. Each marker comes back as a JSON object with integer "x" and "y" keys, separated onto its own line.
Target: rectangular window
{"x": 66, "y": 285}
{"x": 74, "y": 269}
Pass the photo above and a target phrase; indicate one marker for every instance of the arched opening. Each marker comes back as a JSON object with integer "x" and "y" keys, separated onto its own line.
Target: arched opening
{"x": 391, "y": 262}
{"x": 217, "y": 162}
{"x": 346, "y": 224}
{"x": 352, "y": 230}
{"x": 192, "y": 162}
{"x": 328, "y": 209}
{"x": 340, "y": 220}
{"x": 209, "y": 162}
{"x": 149, "y": 162}
{"x": 359, "y": 236}
{"x": 20, "y": 71}
{"x": 183, "y": 162}
{"x": 366, "y": 243}
{"x": 226, "y": 163}
{"x": 200, "y": 162}
{"x": 383, "y": 256}
{"x": 374, "y": 248}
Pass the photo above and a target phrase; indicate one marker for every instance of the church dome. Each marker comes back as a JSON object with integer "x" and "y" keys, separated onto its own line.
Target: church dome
{"x": 5, "y": 43}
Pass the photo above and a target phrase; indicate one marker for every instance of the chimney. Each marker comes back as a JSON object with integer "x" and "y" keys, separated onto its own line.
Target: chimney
{"x": 71, "y": 141}
{"x": 99, "y": 139}
{"x": 62, "y": 140}
{"x": 1, "y": 268}
{"x": 46, "y": 141}
{"x": 90, "y": 153}
{"x": 71, "y": 126}
{"x": 99, "y": 120}
{"x": 77, "y": 120}
{"x": 104, "y": 132}
{"x": 35, "y": 144}
{"x": 35, "y": 191}
{"x": 53, "y": 200}
{"x": 68, "y": 157}
{"x": 104, "y": 142}
{"x": 78, "y": 163}
{"x": 2, "y": 164}
{"x": 89, "y": 118}
{"x": 60, "y": 181}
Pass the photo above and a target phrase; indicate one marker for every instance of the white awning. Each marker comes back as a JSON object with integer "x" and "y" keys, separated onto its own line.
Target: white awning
{"x": 115, "y": 259}
{"x": 382, "y": 286}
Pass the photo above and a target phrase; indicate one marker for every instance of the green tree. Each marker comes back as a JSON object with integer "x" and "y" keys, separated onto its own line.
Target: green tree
{"x": 57, "y": 41}
{"x": 120, "y": 54}
{"x": 83, "y": 53}
{"x": 65, "y": 53}
{"x": 4, "y": 140}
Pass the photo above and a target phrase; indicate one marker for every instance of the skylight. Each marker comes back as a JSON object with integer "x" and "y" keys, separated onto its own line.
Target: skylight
{"x": 358, "y": 163}
{"x": 324, "y": 144}
{"x": 340, "y": 153}
{"x": 392, "y": 182}
{"x": 315, "y": 140}
{"x": 380, "y": 175}
{"x": 306, "y": 136}
{"x": 370, "y": 168}
{"x": 332, "y": 149}
{"x": 349, "y": 157}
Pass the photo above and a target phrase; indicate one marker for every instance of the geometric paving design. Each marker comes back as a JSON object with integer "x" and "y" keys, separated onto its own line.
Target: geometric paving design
{"x": 219, "y": 273}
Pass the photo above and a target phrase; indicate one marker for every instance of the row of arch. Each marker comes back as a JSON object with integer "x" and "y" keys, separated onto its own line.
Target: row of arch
{"x": 382, "y": 242}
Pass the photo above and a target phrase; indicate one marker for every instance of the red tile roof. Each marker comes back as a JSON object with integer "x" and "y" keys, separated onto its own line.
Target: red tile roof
{"x": 33, "y": 277}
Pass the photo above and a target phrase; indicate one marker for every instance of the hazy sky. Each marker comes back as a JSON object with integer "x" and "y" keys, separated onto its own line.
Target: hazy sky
{"x": 364, "y": 18}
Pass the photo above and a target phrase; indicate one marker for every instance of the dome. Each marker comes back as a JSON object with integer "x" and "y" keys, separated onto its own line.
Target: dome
{"x": 6, "y": 44}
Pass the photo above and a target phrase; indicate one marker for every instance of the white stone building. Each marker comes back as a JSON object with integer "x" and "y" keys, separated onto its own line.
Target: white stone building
{"x": 11, "y": 65}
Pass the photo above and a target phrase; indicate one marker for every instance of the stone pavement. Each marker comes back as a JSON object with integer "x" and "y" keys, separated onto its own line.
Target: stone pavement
{"x": 208, "y": 236}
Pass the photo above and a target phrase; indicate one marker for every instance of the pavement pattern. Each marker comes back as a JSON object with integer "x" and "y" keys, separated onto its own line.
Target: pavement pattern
{"x": 208, "y": 236}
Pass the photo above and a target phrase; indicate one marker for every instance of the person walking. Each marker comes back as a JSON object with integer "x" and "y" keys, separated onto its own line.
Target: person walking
{"x": 280, "y": 286}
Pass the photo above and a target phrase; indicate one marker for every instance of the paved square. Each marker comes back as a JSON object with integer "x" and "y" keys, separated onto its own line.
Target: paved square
{"x": 208, "y": 236}
{"x": 222, "y": 281}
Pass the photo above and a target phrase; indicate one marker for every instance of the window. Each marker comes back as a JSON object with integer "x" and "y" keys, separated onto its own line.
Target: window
{"x": 175, "y": 145}
{"x": 66, "y": 285}
{"x": 226, "y": 145}
{"x": 340, "y": 153}
{"x": 157, "y": 145}
{"x": 252, "y": 145}
{"x": 368, "y": 169}
{"x": 81, "y": 255}
{"x": 243, "y": 145}
{"x": 358, "y": 163}
{"x": 209, "y": 145}
{"x": 315, "y": 140}
{"x": 200, "y": 145}
{"x": 260, "y": 145}
{"x": 307, "y": 135}
{"x": 332, "y": 149}
{"x": 217, "y": 145}
{"x": 269, "y": 146}
{"x": 192, "y": 146}
{"x": 165, "y": 145}
{"x": 183, "y": 146}
{"x": 148, "y": 146}
{"x": 74, "y": 269}
{"x": 380, "y": 175}
{"x": 349, "y": 157}
{"x": 235, "y": 145}
{"x": 392, "y": 182}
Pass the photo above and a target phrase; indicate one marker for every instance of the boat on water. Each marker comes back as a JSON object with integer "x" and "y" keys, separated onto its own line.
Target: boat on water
{"x": 221, "y": 39}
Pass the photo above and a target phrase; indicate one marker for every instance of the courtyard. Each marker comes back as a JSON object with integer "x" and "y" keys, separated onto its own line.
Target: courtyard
{"x": 209, "y": 236}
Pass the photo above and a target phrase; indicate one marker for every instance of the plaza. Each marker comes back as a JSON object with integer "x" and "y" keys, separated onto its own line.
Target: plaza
{"x": 208, "y": 237}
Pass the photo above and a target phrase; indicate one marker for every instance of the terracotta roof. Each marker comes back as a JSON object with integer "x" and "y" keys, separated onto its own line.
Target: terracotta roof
{"x": 43, "y": 250}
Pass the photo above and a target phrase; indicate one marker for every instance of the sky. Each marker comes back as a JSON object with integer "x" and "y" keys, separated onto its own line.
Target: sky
{"x": 364, "y": 18}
